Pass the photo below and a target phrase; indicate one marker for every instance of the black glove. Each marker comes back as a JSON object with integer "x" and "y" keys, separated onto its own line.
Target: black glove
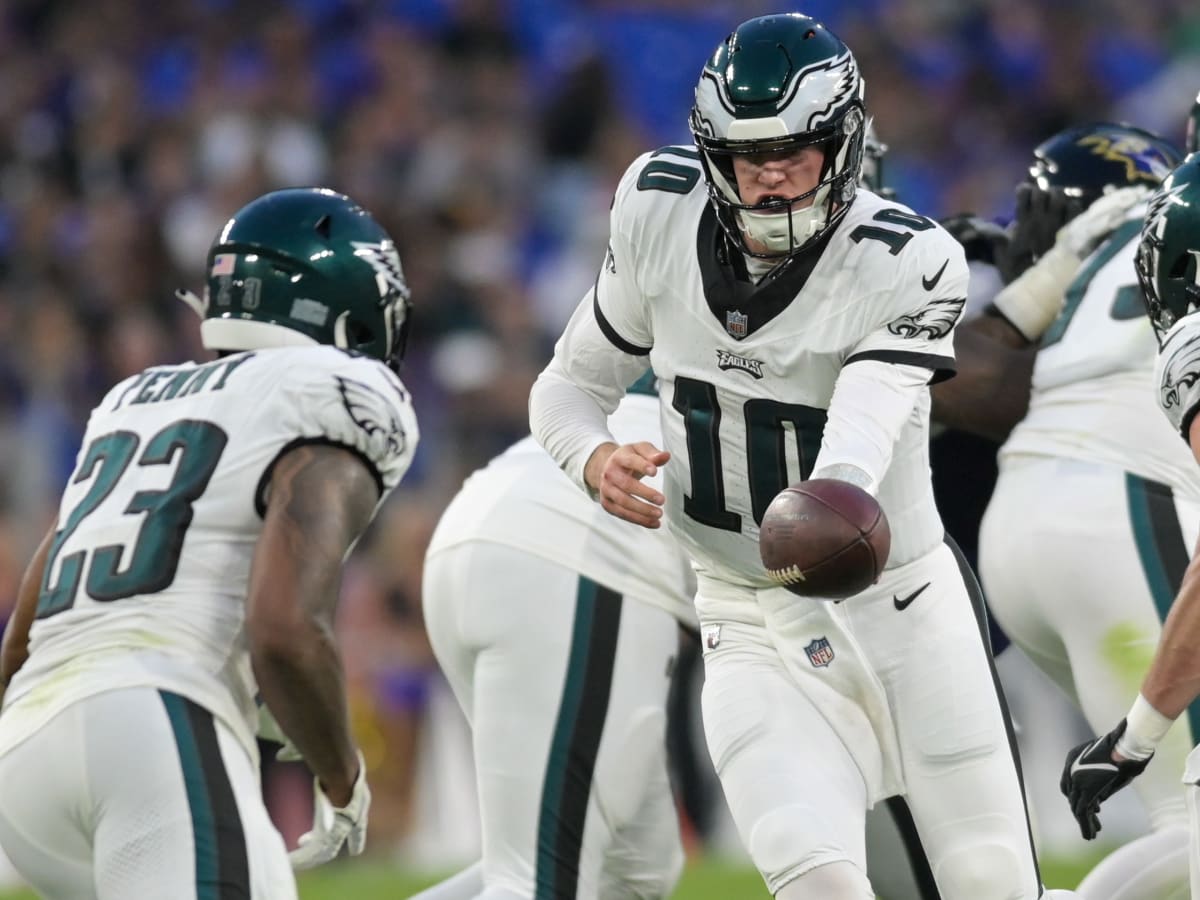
{"x": 981, "y": 239}
{"x": 1090, "y": 777}
{"x": 1040, "y": 213}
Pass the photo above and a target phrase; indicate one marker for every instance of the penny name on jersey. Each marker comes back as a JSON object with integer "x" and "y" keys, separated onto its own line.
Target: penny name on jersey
{"x": 169, "y": 382}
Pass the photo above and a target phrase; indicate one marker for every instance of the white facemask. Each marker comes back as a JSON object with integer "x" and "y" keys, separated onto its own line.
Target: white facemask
{"x": 771, "y": 229}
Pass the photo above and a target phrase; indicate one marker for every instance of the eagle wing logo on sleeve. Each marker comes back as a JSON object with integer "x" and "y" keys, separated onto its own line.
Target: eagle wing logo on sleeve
{"x": 1181, "y": 373}
{"x": 933, "y": 321}
{"x": 374, "y": 413}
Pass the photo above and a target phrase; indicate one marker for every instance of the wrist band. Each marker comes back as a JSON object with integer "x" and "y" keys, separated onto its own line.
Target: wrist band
{"x": 1145, "y": 726}
{"x": 1034, "y": 300}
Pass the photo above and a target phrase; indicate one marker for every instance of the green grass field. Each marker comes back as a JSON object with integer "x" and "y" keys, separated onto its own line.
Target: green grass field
{"x": 702, "y": 880}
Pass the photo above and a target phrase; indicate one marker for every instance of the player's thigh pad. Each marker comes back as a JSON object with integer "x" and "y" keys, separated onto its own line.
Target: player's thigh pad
{"x": 565, "y": 683}
{"x": 168, "y": 798}
{"x": 797, "y": 798}
{"x": 1080, "y": 563}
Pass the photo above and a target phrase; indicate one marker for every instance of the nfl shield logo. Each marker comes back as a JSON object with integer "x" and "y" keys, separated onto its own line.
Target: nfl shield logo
{"x": 712, "y": 636}
{"x": 819, "y": 652}
{"x": 736, "y": 324}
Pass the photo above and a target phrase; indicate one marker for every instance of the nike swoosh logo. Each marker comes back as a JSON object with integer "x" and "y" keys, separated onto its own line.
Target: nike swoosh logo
{"x": 1078, "y": 766}
{"x": 930, "y": 283}
{"x": 904, "y": 604}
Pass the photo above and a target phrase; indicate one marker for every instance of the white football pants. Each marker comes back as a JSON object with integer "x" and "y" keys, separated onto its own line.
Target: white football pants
{"x": 139, "y": 794}
{"x": 780, "y": 685}
{"x": 565, "y": 685}
{"x": 1080, "y": 563}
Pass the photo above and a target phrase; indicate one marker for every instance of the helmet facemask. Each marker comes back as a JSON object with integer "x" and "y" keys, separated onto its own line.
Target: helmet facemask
{"x": 395, "y": 305}
{"x": 1168, "y": 254}
{"x": 784, "y": 226}
{"x": 777, "y": 85}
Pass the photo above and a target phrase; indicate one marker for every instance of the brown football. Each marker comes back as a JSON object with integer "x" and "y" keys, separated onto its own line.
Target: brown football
{"x": 824, "y": 538}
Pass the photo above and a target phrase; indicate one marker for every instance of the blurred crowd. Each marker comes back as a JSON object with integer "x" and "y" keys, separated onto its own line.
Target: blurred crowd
{"x": 487, "y": 136}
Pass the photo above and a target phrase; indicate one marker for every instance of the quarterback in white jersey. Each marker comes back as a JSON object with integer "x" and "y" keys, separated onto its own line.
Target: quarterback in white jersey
{"x": 1091, "y": 472}
{"x": 1168, "y": 263}
{"x": 794, "y": 326}
{"x": 194, "y": 567}
{"x": 557, "y": 626}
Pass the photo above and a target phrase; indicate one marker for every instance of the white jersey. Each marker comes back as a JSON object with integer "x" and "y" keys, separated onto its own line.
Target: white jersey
{"x": 1093, "y": 380}
{"x": 146, "y": 578}
{"x": 747, "y": 373}
{"x": 522, "y": 499}
{"x": 1177, "y": 375}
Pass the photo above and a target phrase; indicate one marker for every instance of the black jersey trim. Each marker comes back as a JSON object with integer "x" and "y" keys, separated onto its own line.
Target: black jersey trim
{"x": 942, "y": 366}
{"x": 260, "y": 492}
{"x": 611, "y": 333}
{"x": 727, "y": 284}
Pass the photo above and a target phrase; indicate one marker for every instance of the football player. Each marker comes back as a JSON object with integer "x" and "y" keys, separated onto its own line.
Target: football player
{"x": 557, "y": 626}
{"x": 1168, "y": 268}
{"x": 795, "y": 323}
{"x": 195, "y": 566}
{"x": 1085, "y": 538}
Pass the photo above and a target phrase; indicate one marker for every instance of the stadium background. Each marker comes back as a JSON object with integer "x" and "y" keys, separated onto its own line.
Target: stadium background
{"x": 487, "y": 135}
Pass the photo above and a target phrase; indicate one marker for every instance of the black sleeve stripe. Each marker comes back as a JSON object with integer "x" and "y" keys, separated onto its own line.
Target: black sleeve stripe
{"x": 941, "y": 366}
{"x": 260, "y": 492}
{"x": 611, "y": 333}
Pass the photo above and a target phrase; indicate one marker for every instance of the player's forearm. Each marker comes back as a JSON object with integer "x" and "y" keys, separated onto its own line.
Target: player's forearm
{"x": 990, "y": 393}
{"x": 303, "y": 686}
{"x": 320, "y": 500}
{"x": 15, "y": 649}
{"x": 1173, "y": 680}
{"x": 871, "y": 403}
{"x": 568, "y": 422}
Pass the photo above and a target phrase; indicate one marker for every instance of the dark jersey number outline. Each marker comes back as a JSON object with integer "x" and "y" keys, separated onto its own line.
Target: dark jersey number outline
{"x": 1119, "y": 241}
{"x": 195, "y": 446}
{"x": 895, "y": 240}
{"x": 672, "y": 177}
{"x": 766, "y": 450}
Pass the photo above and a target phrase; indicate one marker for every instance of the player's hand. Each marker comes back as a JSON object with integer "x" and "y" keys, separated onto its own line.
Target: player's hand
{"x": 1081, "y": 235}
{"x": 1040, "y": 214}
{"x": 1092, "y": 775}
{"x": 619, "y": 484}
{"x": 334, "y": 826}
{"x": 981, "y": 239}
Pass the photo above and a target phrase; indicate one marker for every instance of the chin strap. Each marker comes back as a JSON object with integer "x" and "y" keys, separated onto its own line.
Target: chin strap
{"x": 198, "y": 304}
{"x": 340, "y": 339}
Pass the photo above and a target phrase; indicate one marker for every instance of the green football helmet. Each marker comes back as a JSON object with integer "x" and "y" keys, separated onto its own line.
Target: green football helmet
{"x": 777, "y": 84}
{"x": 1168, "y": 256}
{"x": 304, "y": 266}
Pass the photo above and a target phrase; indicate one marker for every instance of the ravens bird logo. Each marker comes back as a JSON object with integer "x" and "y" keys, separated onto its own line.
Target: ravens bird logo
{"x": 934, "y": 321}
